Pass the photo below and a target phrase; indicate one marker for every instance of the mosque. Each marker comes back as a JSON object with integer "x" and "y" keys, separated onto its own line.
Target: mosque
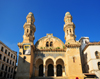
{"x": 49, "y": 57}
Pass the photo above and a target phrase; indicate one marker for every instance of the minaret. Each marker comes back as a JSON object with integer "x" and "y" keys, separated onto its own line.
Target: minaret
{"x": 26, "y": 50}
{"x": 29, "y": 29}
{"x": 69, "y": 29}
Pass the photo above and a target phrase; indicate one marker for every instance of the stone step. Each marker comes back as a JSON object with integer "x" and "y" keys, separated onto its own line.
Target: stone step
{"x": 50, "y": 78}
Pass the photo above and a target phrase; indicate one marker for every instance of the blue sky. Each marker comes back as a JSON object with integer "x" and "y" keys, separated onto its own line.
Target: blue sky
{"x": 49, "y": 18}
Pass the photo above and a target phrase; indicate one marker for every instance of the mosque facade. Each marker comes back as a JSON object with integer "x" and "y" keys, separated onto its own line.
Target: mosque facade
{"x": 49, "y": 57}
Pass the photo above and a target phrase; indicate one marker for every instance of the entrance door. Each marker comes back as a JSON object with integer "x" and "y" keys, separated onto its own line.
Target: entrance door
{"x": 50, "y": 70}
{"x": 59, "y": 70}
{"x": 41, "y": 70}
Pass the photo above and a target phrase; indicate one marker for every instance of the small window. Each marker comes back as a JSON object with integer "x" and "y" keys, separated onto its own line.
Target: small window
{"x": 12, "y": 70}
{"x": 67, "y": 32}
{"x": 4, "y": 58}
{"x": 27, "y": 30}
{"x": 70, "y": 30}
{"x": 9, "y": 54}
{"x": 8, "y": 76}
{"x": 51, "y": 44}
{"x": 2, "y": 67}
{"x": 7, "y": 60}
{"x": 74, "y": 59}
{"x": 10, "y": 61}
{"x": 47, "y": 44}
{"x": 31, "y": 32}
{"x": 2, "y": 49}
{"x": 97, "y": 54}
{"x": 6, "y": 68}
{"x": 1, "y": 74}
{"x": 14, "y": 57}
{"x": 5, "y": 51}
{"x": 9, "y": 69}
{"x": 99, "y": 65}
{"x": 13, "y": 64}
{"x": 0, "y": 56}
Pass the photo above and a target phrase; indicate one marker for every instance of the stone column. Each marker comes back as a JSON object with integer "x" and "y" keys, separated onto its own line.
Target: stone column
{"x": 54, "y": 70}
{"x": 43, "y": 70}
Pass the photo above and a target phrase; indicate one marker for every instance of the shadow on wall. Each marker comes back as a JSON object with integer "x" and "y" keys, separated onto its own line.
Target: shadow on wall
{"x": 23, "y": 68}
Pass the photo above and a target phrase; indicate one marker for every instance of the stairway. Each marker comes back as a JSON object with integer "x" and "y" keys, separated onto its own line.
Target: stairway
{"x": 50, "y": 78}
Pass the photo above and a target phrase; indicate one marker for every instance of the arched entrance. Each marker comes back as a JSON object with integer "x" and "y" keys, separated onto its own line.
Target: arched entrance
{"x": 59, "y": 70}
{"x": 41, "y": 70}
{"x": 60, "y": 67}
{"x": 50, "y": 70}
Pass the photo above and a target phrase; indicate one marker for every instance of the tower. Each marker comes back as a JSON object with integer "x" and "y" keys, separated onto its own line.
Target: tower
{"x": 26, "y": 50}
{"x": 69, "y": 29}
{"x": 72, "y": 55}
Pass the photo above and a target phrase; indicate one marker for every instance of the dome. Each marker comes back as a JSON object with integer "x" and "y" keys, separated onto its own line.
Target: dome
{"x": 30, "y": 13}
{"x": 49, "y": 42}
{"x": 67, "y": 13}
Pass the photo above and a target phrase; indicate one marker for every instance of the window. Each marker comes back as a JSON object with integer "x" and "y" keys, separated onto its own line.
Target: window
{"x": 51, "y": 44}
{"x": 70, "y": 30}
{"x": 10, "y": 61}
{"x": 7, "y": 60}
{"x": 5, "y": 74}
{"x": 12, "y": 70}
{"x": 6, "y": 68}
{"x": 97, "y": 54}
{"x": 9, "y": 69}
{"x": 9, "y": 54}
{"x": 31, "y": 32}
{"x": 13, "y": 64}
{"x": 1, "y": 74}
{"x": 74, "y": 59}
{"x": 4, "y": 58}
{"x": 2, "y": 49}
{"x": 5, "y": 51}
{"x": 47, "y": 44}
{"x": 67, "y": 32}
{"x": 14, "y": 57}
{"x": 0, "y": 56}
{"x": 8, "y": 76}
{"x": 2, "y": 67}
{"x": 99, "y": 65}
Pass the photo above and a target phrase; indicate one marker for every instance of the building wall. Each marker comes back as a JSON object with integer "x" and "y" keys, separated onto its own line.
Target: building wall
{"x": 11, "y": 63}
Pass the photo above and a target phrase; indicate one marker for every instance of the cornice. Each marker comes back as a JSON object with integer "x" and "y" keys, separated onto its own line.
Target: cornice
{"x": 91, "y": 43}
{"x": 8, "y": 47}
{"x": 50, "y": 50}
{"x": 72, "y": 45}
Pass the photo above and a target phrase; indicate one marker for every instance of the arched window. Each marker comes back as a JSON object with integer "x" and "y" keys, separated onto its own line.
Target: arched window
{"x": 97, "y": 54}
{"x": 31, "y": 32}
{"x": 51, "y": 43}
{"x": 67, "y": 32}
{"x": 5, "y": 51}
{"x": 9, "y": 54}
{"x": 12, "y": 70}
{"x": 0, "y": 56}
{"x": 6, "y": 68}
{"x": 47, "y": 44}
{"x": 14, "y": 57}
{"x": 99, "y": 65}
{"x": 10, "y": 61}
{"x": 74, "y": 59}
{"x": 70, "y": 30}
{"x": 2, "y": 49}
{"x": 2, "y": 67}
{"x": 9, "y": 69}
{"x": 27, "y": 30}
{"x": 7, "y": 60}
{"x": 8, "y": 76}
{"x": 4, "y": 58}
{"x": 13, "y": 64}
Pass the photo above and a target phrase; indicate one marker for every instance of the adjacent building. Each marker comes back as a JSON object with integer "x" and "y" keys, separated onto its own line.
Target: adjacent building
{"x": 90, "y": 55}
{"x": 8, "y": 60}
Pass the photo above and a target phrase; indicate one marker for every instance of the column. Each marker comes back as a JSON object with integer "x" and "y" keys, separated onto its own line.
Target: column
{"x": 43, "y": 70}
{"x": 54, "y": 70}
